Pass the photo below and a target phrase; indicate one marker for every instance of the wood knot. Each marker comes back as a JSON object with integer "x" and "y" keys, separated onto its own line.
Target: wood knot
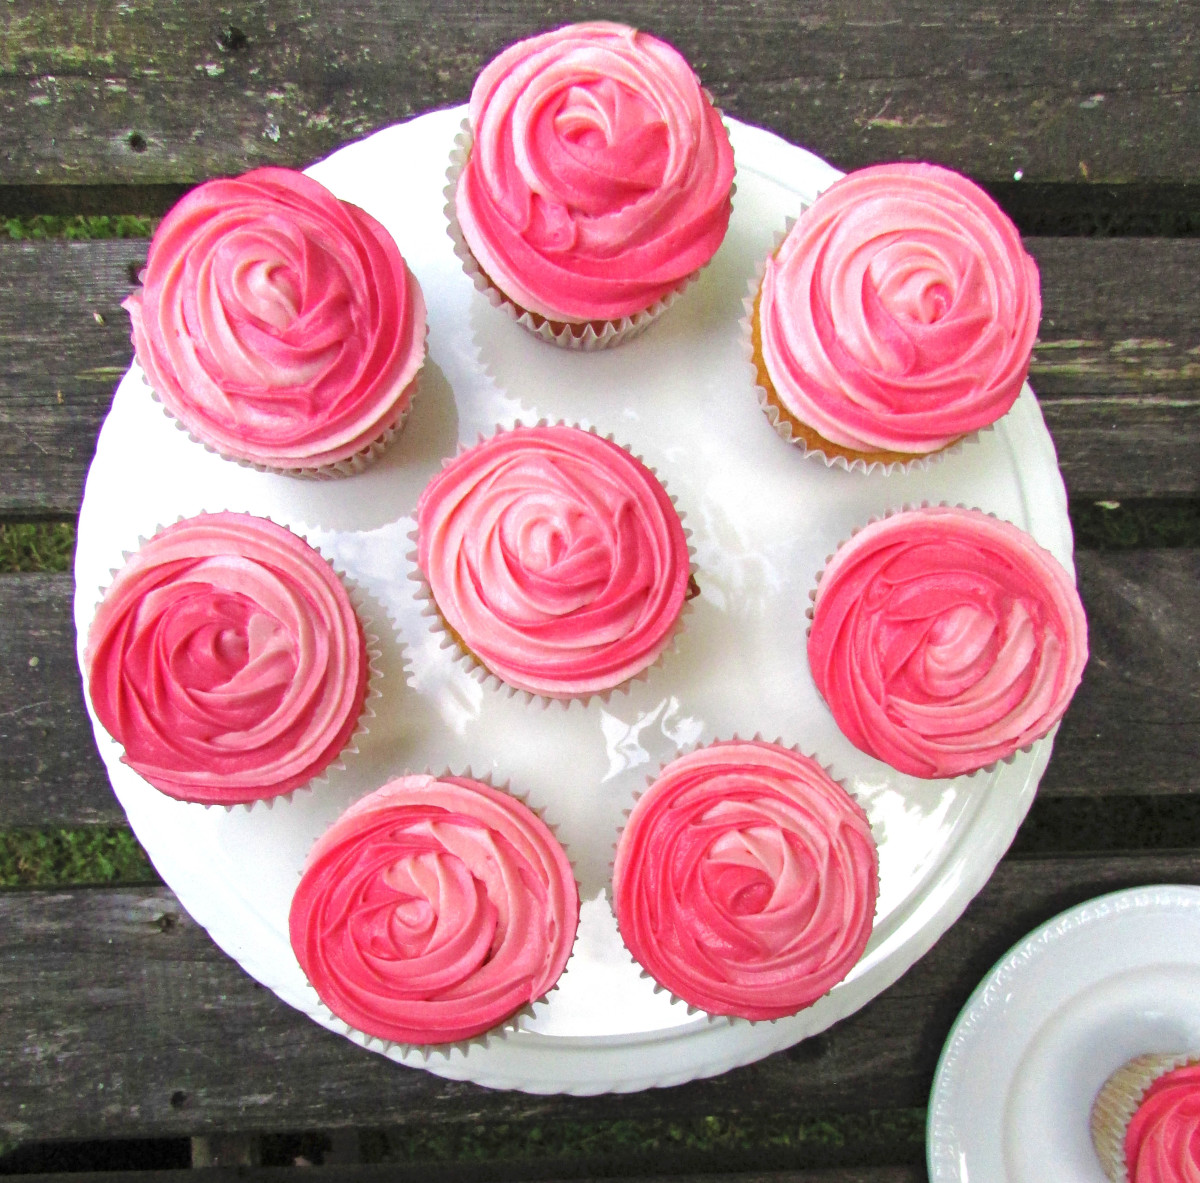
{"x": 166, "y": 922}
{"x": 137, "y": 142}
{"x": 231, "y": 39}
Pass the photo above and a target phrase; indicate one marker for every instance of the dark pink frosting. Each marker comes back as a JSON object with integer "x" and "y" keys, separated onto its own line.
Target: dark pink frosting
{"x": 433, "y": 909}
{"x": 600, "y": 173}
{"x": 1162, "y": 1142}
{"x": 745, "y": 881}
{"x": 227, "y": 659}
{"x": 277, "y": 323}
{"x": 556, "y": 557}
{"x": 944, "y": 640}
{"x": 900, "y": 312}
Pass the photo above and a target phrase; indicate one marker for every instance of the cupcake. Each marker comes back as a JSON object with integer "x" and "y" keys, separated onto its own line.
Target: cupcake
{"x": 279, "y": 325}
{"x": 896, "y": 317}
{"x": 228, "y": 661}
{"x": 1146, "y": 1120}
{"x": 555, "y": 559}
{"x": 433, "y": 910}
{"x": 746, "y": 879}
{"x": 944, "y": 640}
{"x": 593, "y": 182}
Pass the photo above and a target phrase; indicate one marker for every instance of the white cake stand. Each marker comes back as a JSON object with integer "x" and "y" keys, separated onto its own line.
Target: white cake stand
{"x": 763, "y": 520}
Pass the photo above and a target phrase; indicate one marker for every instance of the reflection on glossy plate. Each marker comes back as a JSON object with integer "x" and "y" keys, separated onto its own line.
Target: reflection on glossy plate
{"x": 763, "y": 521}
{"x": 1113, "y": 978}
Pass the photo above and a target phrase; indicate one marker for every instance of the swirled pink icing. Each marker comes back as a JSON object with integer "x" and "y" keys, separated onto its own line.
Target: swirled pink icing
{"x": 746, "y": 879}
{"x": 556, "y": 557}
{"x": 227, "y": 659}
{"x": 1162, "y": 1141}
{"x": 600, "y": 173}
{"x": 433, "y": 909}
{"x": 900, "y": 312}
{"x": 277, "y": 323}
{"x": 944, "y": 640}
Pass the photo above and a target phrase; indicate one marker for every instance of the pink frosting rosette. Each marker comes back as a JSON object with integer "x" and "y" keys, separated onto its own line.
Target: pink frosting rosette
{"x": 599, "y": 175}
{"x": 555, "y": 557}
{"x": 434, "y": 909}
{"x": 278, "y": 324}
{"x": 899, "y": 313}
{"x": 746, "y": 879}
{"x": 1146, "y": 1121}
{"x": 944, "y": 640}
{"x": 227, "y": 659}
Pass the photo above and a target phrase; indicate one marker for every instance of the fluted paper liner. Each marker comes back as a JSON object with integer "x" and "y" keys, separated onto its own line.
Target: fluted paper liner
{"x": 586, "y": 336}
{"x": 374, "y": 654}
{"x": 1117, "y": 1102}
{"x": 507, "y": 1026}
{"x": 361, "y": 459}
{"x": 769, "y": 400}
{"x": 687, "y": 749}
{"x": 909, "y": 507}
{"x": 477, "y": 668}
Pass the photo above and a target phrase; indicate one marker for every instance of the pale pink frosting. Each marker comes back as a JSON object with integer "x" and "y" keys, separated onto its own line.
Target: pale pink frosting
{"x": 227, "y": 659}
{"x": 277, "y": 323}
{"x": 556, "y": 557}
{"x": 1162, "y": 1142}
{"x": 600, "y": 173}
{"x": 433, "y": 909}
{"x": 944, "y": 640}
{"x": 900, "y": 312}
{"x": 745, "y": 880}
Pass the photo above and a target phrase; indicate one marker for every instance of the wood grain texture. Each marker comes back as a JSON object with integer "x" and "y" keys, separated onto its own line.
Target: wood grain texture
{"x": 397, "y": 1173}
{"x": 121, "y": 1017}
{"x": 499, "y": 1172}
{"x": 64, "y": 345}
{"x": 1117, "y": 368}
{"x": 149, "y": 91}
{"x": 50, "y": 772}
{"x": 1133, "y": 727}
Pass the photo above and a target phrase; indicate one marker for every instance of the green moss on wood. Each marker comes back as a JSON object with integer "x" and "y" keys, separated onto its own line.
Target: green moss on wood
{"x": 77, "y": 856}
{"x": 75, "y": 227}
{"x": 36, "y": 546}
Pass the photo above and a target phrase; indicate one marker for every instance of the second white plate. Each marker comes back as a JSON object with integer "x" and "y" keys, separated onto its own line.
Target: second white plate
{"x": 1116, "y": 977}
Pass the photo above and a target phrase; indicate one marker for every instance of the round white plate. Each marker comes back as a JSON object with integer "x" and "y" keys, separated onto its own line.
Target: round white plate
{"x": 1113, "y": 978}
{"x": 763, "y": 519}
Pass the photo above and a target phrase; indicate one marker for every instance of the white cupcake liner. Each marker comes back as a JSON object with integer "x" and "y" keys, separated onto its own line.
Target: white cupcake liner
{"x": 478, "y": 669}
{"x": 911, "y": 507}
{"x": 371, "y": 644}
{"x": 687, "y": 749}
{"x": 580, "y": 336}
{"x": 783, "y": 427}
{"x": 507, "y": 1027}
{"x": 356, "y": 463}
{"x": 1117, "y": 1102}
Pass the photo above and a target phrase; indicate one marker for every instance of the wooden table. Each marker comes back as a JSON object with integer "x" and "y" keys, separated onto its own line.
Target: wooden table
{"x": 119, "y": 1017}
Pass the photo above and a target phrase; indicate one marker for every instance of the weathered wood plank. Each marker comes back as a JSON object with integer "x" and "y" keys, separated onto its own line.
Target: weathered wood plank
{"x": 147, "y": 91}
{"x": 398, "y": 1173}
{"x": 50, "y": 772}
{"x": 1117, "y": 368}
{"x": 1134, "y": 725}
{"x": 1133, "y": 728}
{"x": 64, "y": 344}
{"x": 121, "y": 1017}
